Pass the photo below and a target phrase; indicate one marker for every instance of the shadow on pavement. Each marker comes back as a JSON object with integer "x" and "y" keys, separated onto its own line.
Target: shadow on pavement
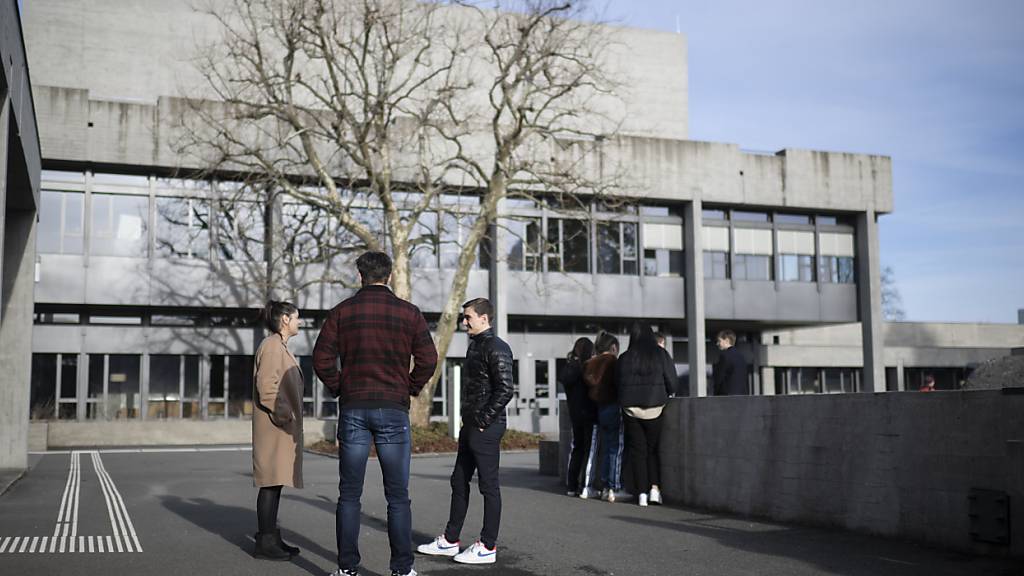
{"x": 829, "y": 550}
{"x": 236, "y": 525}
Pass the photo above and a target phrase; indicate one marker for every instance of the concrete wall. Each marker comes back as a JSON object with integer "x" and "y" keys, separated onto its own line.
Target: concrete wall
{"x": 928, "y": 344}
{"x": 162, "y": 433}
{"x": 892, "y": 464}
{"x": 141, "y": 51}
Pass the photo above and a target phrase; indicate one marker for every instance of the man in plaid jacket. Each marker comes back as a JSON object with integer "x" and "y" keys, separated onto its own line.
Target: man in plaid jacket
{"x": 372, "y": 336}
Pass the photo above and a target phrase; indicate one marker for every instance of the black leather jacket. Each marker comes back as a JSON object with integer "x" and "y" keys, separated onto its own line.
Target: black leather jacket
{"x": 487, "y": 380}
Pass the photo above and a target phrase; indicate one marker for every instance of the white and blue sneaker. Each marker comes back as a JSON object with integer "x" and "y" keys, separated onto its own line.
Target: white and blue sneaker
{"x": 477, "y": 554}
{"x": 440, "y": 546}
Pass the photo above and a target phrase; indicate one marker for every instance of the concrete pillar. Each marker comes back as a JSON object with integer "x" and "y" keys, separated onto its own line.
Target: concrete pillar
{"x": 768, "y": 380}
{"x": 869, "y": 301}
{"x": 497, "y": 277}
{"x": 694, "y": 253}
{"x": 901, "y": 386}
{"x": 17, "y": 286}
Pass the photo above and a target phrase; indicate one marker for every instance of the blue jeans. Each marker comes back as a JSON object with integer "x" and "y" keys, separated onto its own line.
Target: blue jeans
{"x": 609, "y": 421}
{"x": 388, "y": 428}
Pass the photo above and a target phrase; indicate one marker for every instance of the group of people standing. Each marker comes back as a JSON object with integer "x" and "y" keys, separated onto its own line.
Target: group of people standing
{"x": 616, "y": 403}
{"x": 374, "y": 352}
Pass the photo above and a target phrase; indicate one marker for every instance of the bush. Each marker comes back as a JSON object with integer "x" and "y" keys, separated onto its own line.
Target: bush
{"x": 434, "y": 438}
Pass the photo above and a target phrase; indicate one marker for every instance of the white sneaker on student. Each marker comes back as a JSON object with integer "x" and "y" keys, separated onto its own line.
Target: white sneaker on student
{"x": 643, "y": 499}
{"x": 477, "y": 554}
{"x": 587, "y": 493}
{"x": 440, "y": 546}
{"x": 618, "y": 496}
{"x": 655, "y": 497}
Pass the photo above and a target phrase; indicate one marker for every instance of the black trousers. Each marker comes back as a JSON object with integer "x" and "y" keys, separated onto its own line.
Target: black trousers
{"x": 582, "y": 456}
{"x": 642, "y": 439}
{"x": 480, "y": 452}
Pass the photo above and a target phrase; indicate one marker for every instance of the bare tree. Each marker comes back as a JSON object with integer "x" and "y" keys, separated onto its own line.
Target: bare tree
{"x": 892, "y": 301}
{"x": 377, "y": 124}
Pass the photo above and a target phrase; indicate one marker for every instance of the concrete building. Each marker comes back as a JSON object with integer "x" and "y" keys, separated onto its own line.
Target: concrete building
{"x": 19, "y": 198}
{"x": 142, "y": 312}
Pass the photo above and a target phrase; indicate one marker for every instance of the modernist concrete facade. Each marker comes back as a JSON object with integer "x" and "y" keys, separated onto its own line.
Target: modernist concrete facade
{"x": 19, "y": 199}
{"x": 142, "y": 316}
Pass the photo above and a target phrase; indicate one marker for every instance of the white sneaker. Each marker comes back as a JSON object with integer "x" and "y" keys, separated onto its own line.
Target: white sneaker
{"x": 411, "y": 572}
{"x": 618, "y": 496}
{"x": 655, "y": 497}
{"x": 604, "y": 494}
{"x": 643, "y": 499}
{"x": 477, "y": 554}
{"x": 440, "y": 546}
{"x": 587, "y": 493}
{"x": 571, "y": 493}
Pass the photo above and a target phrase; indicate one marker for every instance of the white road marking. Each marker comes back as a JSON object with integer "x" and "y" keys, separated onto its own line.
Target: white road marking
{"x": 120, "y": 501}
{"x": 66, "y": 528}
{"x": 153, "y": 450}
{"x": 108, "y": 497}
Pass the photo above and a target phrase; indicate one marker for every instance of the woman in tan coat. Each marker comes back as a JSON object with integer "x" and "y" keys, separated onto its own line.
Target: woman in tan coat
{"x": 276, "y": 426}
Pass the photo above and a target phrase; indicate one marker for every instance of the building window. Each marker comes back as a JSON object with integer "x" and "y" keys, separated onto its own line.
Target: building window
{"x": 164, "y": 397}
{"x": 751, "y": 267}
{"x": 240, "y": 231}
{"x": 43, "y": 391}
{"x": 840, "y": 380}
{"x": 716, "y": 265}
{"x": 712, "y": 214}
{"x": 308, "y": 384}
{"x": 663, "y": 249}
{"x": 525, "y": 250}
{"x": 182, "y": 228}
{"x": 617, "y": 248}
{"x": 799, "y": 380}
{"x": 796, "y": 268}
{"x": 119, "y": 225}
{"x": 328, "y": 403}
{"x": 113, "y": 387}
{"x": 240, "y": 385}
{"x": 792, "y": 219}
{"x": 568, "y": 245}
{"x": 742, "y": 216}
{"x": 216, "y": 401}
{"x": 542, "y": 386}
{"x": 60, "y": 223}
{"x": 837, "y": 269}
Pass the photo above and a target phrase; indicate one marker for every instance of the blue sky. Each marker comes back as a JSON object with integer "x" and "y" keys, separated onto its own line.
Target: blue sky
{"x": 938, "y": 85}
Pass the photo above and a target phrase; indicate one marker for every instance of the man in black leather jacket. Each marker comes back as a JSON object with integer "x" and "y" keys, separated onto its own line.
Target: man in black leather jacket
{"x": 486, "y": 389}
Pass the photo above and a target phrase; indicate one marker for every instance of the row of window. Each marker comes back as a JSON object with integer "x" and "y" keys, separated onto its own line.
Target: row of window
{"x": 787, "y": 267}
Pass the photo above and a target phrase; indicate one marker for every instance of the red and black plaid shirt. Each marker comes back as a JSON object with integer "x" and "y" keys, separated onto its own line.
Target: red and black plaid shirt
{"x": 374, "y": 334}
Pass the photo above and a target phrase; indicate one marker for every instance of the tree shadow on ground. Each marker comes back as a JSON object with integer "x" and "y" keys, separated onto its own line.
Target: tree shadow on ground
{"x": 236, "y": 526}
{"x": 828, "y": 549}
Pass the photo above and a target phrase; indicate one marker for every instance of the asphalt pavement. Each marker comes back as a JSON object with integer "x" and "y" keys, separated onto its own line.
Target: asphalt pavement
{"x": 188, "y": 512}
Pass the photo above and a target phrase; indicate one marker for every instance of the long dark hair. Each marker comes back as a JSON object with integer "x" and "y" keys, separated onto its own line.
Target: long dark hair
{"x": 643, "y": 346}
{"x": 272, "y": 312}
{"x": 581, "y": 351}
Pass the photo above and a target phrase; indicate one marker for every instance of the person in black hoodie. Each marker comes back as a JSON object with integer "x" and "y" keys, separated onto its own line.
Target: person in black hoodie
{"x": 730, "y": 372}
{"x": 644, "y": 377}
{"x": 583, "y": 415}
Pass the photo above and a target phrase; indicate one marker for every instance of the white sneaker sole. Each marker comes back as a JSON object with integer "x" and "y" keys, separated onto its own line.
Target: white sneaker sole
{"x": 476, "y": 560}
{"x": 431, "y": 551}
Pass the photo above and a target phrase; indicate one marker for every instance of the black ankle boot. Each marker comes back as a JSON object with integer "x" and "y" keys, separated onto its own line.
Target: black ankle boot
{"x": 293, "y": 550}
{"x": 268, "y": 547}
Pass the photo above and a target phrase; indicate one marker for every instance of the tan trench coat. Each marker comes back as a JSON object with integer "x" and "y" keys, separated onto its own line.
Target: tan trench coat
{"x": 277, "y": 419}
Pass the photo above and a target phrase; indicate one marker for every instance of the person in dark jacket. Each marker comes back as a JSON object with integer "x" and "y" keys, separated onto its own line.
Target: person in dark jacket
{"x": 374, "y": 335}
{"x": 583, "y": 415}
{"x": 730, "y": 372}
{"x": 487, "y": 388}
{"x": 599, "y": 376}
{"x": 644, "y": 378}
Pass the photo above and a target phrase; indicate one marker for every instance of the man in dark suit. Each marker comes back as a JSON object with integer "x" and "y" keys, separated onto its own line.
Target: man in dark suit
{"x": 730, "y": 373}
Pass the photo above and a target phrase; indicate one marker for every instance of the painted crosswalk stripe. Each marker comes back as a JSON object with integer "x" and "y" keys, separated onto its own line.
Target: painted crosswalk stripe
{"x": 42, "y": 545}
{"x": 109, "y": 545}
{"x": 91, "y": 547}
{"x": 32, "y": 546}
{"x": 4, "y": 543}
{"x": 119, "y": 504}
{"x": 99, "y": 543}
{"x": 113, "y": 512}
{"x": 24, "y": 545}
